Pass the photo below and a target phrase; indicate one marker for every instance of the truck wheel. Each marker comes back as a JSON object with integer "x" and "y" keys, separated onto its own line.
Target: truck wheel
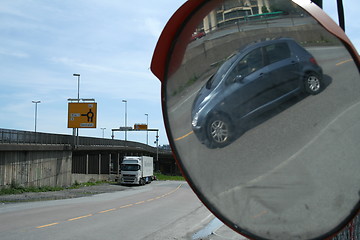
{"x": 142, "y": 182}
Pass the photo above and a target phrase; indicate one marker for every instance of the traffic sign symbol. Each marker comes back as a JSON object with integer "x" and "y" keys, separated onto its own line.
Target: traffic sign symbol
{"x": 82, "y": 115}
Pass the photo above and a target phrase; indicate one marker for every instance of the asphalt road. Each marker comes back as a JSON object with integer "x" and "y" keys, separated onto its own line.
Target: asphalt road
{"x": 297, "y": 164}
{"x": 160, "y": 210}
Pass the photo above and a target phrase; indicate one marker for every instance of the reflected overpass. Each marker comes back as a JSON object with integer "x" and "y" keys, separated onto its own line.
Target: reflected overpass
{"x": 44, "y": 159}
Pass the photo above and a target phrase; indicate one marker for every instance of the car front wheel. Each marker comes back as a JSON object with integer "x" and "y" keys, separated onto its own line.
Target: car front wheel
{"x": 219, "y": 130}
{"x": 313, "y": 83}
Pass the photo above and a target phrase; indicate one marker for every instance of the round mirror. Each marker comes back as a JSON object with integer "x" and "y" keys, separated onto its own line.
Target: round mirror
{"x": 262, "y": 108}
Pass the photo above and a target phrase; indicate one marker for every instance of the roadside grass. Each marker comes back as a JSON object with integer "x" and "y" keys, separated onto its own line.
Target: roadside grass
{"x": 18, "y": 189}
{"x": 163, "y": 177}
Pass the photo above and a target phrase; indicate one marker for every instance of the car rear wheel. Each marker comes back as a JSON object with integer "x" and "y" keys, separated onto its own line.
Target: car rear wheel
{"x": 313, "y": 83}
{"x": 220, "y": 131}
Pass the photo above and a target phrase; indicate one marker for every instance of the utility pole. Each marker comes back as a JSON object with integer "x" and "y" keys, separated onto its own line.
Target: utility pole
{"x": 36, "y": 103}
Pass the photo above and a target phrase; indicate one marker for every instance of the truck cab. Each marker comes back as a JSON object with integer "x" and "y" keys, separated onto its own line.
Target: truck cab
{"x": 137, "y": 170}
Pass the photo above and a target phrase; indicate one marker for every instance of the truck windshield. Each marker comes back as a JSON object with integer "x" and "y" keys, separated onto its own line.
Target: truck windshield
{"x": 130, "y": 167}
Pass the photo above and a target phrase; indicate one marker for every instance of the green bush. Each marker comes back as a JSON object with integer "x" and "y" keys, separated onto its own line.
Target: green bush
{"x": 163, "y": 177}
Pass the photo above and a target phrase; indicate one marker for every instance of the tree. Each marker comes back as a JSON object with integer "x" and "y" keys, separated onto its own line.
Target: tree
{"x": 283, "y": 5}
{"x": 264, "y": 9}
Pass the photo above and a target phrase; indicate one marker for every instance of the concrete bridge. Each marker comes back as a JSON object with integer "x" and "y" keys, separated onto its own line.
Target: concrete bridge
{"x": 42, "y": 159}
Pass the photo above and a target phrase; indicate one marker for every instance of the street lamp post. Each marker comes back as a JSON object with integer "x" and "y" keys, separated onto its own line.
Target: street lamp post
{"x": 76, "y": 130}
{"x": 157, "y": 149}
{"x": 36, "y": 103}
{"x": 78, "y": 77}
{"x": 125, "y": 101}
{"x": 103, "y": 132}
{"x": 147, "y": 126}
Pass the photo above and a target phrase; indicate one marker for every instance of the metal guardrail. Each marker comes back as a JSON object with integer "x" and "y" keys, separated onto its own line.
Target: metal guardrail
{"x": 8, "y": 136}
{"x": 26, "y": 137}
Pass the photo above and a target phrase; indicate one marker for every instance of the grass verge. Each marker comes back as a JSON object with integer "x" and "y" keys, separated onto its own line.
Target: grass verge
{"x": 163, "y": 177}
{"x": 17, "y": 189}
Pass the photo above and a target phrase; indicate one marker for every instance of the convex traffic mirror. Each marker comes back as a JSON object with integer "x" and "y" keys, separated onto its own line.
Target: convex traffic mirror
{"x": 261, "y": 105}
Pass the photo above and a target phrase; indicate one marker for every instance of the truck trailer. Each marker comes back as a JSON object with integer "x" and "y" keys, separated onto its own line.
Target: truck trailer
{"x": 137, "y": 170}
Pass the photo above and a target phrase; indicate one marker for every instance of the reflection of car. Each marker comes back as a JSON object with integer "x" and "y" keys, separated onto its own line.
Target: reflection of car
{"x": 253, "y": 80}
{"x": 197, "y": 35}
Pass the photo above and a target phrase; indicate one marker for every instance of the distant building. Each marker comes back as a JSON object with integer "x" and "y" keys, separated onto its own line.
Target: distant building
{"x": 232, "y": 11}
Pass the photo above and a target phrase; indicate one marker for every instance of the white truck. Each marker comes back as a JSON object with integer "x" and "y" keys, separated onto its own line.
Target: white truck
{"x": 137, "y": 170}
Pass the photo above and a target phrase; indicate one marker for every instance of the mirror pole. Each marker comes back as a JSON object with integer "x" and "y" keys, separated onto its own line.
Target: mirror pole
{"x": 340, "y": 8}
{"x": 318, "y": 2}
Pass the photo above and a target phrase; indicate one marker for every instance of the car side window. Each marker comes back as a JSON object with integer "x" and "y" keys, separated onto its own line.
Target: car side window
{"x": 277, "y": 52}
{"x": 250, "y": 63}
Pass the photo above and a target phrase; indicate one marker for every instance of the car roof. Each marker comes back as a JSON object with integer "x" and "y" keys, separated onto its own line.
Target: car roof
{"x": 262, "y": 43}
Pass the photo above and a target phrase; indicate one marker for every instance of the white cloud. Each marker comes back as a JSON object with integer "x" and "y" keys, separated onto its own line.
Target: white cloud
{"x": 14, "y": 11}
{"x": 153, "y": 26}
{"x": 84, "y": 66}
{"x": 16, "y": 54}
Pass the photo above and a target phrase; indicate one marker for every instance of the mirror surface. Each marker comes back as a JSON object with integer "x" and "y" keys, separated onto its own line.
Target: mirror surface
{"x": 262, "y": 107}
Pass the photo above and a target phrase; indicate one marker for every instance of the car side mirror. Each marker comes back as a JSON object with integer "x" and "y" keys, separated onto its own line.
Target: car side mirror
{"x": 265, "y": 165}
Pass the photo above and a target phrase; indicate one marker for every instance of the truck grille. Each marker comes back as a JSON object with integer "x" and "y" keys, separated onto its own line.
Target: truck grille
{"x": 129, "y": 178}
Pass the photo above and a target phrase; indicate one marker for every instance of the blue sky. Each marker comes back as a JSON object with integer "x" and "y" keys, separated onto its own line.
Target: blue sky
{"x": 110, "y": 43}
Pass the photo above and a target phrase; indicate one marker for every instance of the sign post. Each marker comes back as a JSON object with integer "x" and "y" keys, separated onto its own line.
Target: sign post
{"x": 81, "y": 115}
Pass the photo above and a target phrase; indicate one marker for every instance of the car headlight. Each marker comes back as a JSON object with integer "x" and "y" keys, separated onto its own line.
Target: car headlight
{"x": 195, "y": 119}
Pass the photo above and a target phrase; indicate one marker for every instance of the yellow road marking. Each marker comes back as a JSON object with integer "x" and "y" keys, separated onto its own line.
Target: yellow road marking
{"x": 129, "y": 205}
{"x": 73, "y": 219}
{"x": 109, "y": 210}
{"x": 113, "y": 209}
{"x": 260, "y": 214}
{"x": 340, "y": 63}
{"x": 48, "y": 225}
{"x": 186, "y": 135}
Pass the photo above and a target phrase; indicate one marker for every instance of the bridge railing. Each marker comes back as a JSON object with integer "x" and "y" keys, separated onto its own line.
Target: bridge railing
{"x": 27, "y": 137}
{"x": 9, "y": 136}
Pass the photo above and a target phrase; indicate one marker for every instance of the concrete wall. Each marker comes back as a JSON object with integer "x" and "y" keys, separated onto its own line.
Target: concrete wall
{"x": 83, "y": 178}
{"x": 59, "y": 165}
{"x": 35, "y": 166}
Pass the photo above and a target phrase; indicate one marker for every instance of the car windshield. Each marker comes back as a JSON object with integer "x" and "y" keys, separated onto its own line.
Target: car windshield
{"x": 220, "y": 74}
{"x": 130, "y": 167}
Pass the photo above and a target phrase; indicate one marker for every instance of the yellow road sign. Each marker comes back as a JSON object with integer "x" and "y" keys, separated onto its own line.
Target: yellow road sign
{"x": 140, "y": 126}
{"x": 82, "y": 115}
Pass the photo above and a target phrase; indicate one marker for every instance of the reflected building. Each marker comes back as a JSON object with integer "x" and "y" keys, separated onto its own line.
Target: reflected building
{"x": 232, "y": 11}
